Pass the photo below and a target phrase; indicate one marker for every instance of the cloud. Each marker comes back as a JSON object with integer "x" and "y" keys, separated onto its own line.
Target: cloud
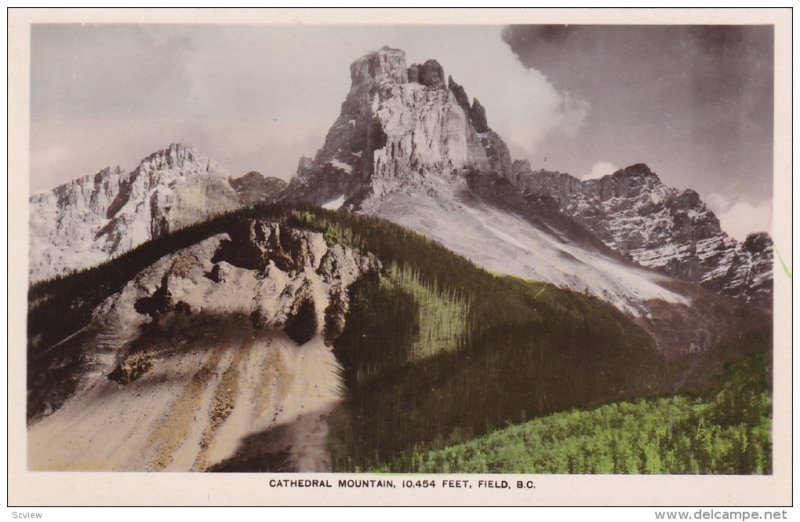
{"x": 740, "y": 218}
{"x": 600, "y": 169}
{"x": 253, "y": 97}
{"x": 695, "y": 102}
{"x": 717, "y": 203}
{"x": 744, "y": 218}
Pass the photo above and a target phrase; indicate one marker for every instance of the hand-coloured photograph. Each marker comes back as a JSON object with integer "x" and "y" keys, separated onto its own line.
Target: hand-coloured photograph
{"x": 402, "y": 250}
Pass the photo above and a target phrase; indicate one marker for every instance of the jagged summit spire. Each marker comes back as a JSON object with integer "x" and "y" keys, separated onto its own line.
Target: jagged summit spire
{"x": 429, "y": 74}
{"x": 388, "y": 64}
{"x": 174, "y": 150}
{"x": 399, "y": 127}
{"x": 376, "y": 67}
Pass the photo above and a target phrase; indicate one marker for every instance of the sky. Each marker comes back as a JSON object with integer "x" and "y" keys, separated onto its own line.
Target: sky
{"x": 694, "y": 103}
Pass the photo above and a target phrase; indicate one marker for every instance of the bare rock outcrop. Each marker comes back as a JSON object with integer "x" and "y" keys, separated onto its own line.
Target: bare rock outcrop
{"x": 209, "y": 345}
{"x": 254, "y": 188}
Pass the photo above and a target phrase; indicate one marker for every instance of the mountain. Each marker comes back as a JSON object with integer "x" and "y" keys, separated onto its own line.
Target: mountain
{"x": 660, "y": 227}
{"x": 299, "y": 339}
{"x": 233, "y": 328}
{"x": 94, "y": 218}
{"x": 399, "y": 127}
{"x": 409, "y": 147}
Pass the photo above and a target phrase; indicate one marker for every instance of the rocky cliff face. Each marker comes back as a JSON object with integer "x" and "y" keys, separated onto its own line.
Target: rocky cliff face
{"x": 660, "y": 227}
{"x": 399, "y": 126}
{"x": 201, "y": 358}
{"x": 94, "y": 218}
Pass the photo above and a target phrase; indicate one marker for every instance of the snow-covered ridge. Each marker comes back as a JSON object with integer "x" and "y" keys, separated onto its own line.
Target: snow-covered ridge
{"x": 93, "y": 218}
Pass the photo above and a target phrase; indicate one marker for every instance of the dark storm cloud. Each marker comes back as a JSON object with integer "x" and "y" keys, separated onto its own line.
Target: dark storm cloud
{"x": 720, "y": 61}
{"x": 730, "y": 70}
{"x": 701, "y": 92}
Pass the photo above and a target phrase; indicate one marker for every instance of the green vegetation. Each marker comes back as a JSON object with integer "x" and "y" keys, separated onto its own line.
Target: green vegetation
{"x": 442, "y": 314}
{"x": 437, "y": 351}
{"x": 725, "y": 431}
{"x": 331, "y": 238}
{"x": 512, "y": 350}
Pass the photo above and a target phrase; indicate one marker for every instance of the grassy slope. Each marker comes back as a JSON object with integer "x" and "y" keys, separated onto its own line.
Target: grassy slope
{"x": 435, "y": 350}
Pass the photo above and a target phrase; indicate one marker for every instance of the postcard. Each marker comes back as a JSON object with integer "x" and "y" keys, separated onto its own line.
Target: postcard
{"x": 400, "y": 257}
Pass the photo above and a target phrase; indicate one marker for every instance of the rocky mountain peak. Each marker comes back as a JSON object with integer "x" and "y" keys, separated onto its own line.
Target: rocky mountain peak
{"x": 88, "y": 220}
{"x": 250, "y": 177}
{"x": 637, "y": 170}
{"x": 477, "y": 114}
{"x": 399, "y": 126}
{"x": 758, "y": 243}
{"x": 179, "y": 158}
{"x": 171, "y": 156}
{"x": 460, "y": 94}
{"x": 660, "y": 227}
{"x": 387, "y": 66}
{"x": 378, "y": 67}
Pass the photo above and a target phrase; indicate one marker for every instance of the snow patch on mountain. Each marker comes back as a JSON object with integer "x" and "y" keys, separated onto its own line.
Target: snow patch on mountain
{"x": 334, "y": 203}
{"x": 341, "y": 165}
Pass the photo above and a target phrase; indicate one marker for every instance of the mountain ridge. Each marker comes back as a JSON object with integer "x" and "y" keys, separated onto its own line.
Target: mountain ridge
{"x": 660, "y": 227}
{"x": 99, "y": 216}
{"x": 408, "y": 141}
